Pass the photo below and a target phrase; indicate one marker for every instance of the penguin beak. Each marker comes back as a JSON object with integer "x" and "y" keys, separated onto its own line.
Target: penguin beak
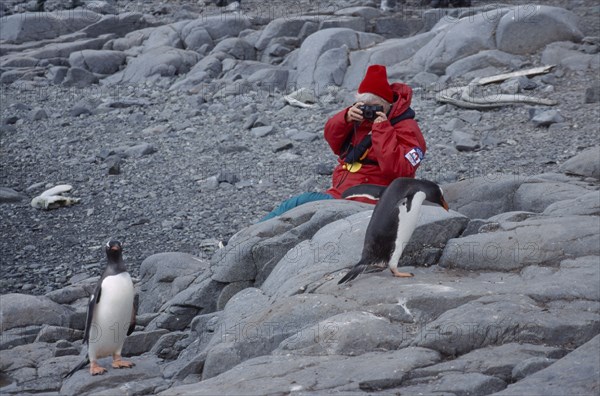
{"x": 444, "y": 204}
{"x": 115, "y": 248}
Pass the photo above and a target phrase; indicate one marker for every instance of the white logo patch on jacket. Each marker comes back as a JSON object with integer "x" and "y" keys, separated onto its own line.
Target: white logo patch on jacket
{"x": 414, "y": 156}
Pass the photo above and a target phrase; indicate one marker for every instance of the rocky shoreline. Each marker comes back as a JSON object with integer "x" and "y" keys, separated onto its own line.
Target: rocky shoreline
{"x": 173, "y": 125}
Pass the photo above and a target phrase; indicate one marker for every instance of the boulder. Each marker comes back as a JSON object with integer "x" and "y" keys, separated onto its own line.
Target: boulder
{"x": 464, "y": 141}
{"x": 157, "y": 62}
{"x": 351, "y": 333}
{"x": 357, "y": 24}
{"x": 81, "y": 383}
{"x": 237, "y": 48}
{"x": 20, "y": 28}
{"x": 120, "y": 25}
{"x": 456, "y": 384}
{"x": 317, "y": 44}
{"x": 388, "y": 53}
{"x": 337, "y": 374}
{"x": 576, "y": 373}
{"x": 9, "y": 195}
{"x": 331, "y": 67}
{"x": 482, "y": 196}
{"x": 270, "y": 78}
{"x": 63, "y": 50}
{"x": 481, "y": 60}
{"x": 466, "y": 37}
{"x": 586, "y": 163}
{"x": 500, "y": 319}
{"x": 98, "y": 61}
{"x": 498, "y": 361}
{"x": 543, "y": 241}
{"x": 537, "y": 196}
{"x": 526, "y": 29}
{"x": 20, "y": 310}
{"x": 80, "y": 78}
{"x": 279, "y": 27}
{"x": 586, "y": 204}
{"x": 164, "y": 275}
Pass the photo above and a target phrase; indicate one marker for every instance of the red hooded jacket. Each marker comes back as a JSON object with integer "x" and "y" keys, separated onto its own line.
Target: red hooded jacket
{"x": 398, "y": 149}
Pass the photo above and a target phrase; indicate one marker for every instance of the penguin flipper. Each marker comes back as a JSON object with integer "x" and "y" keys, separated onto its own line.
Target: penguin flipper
{"x": 353, "y": 273}
{"x": 133, "y": 314}
{"x": 94, "y": 299}
{"x": 81, "y": 365}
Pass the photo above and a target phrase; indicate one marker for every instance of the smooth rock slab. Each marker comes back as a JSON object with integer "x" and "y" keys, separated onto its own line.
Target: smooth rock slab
{"x": 578, "y": 373}
{"x": 544, "y": 241}
{"x": 536, "y": 197}
{"x": 587, "y": 204}
{"x": 586, "y": 163}
{"x": 458, "y": 384}
{"x": 20, "y": 310}
{"x": 280, "y": 374}
{"x": 528, "y": 28}
{"x": 499, "y": 319}
{"x": 82, "y": 383}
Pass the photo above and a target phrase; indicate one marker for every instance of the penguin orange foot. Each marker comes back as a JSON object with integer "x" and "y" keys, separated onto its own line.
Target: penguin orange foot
{"x": 119, "y": 363}
{"x": 96, "y": 369}
{"x": 398, "y": 274}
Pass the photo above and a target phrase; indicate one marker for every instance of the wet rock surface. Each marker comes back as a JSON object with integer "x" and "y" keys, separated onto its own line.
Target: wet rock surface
{"x": 169, "y": 122}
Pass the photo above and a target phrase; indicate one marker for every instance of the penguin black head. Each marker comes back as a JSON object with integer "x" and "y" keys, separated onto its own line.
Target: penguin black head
{"x": 434, "y": 194}
{"x": 114, "y": 251}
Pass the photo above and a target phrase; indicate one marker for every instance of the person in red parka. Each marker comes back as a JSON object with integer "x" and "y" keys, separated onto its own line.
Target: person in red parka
{"x": 397, "y": 146}
{"x": 376, "y": 139}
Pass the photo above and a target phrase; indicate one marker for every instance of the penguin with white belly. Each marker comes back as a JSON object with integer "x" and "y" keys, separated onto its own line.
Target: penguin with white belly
{"x": 393, "y": 221}
{"x": 110, "y": 315}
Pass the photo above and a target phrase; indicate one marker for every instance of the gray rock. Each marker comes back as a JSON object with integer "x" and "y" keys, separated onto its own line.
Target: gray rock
{"x": 20, "y": 28}
{"x": 592, "y": 94}
{"x": 279, "y": 27}
{"x": 57, "y": 74}
{"x": 81, "y": 383}
{"x": 343, "y": 373}
{"x": 464, "y": 141}
{"x": 586, "y": 163}
{"x": 301, "y": 136}
{"x": 53, "y": 334}
{"x": 396, "y": 26}
{"x": 499, "y": 361}
{"x": 517, "y": 244}
{"x": 458, "y": 384}
{"x": 521, "y": 32}
{"x": 365, "y": 12}
{"x": 481, "y": 60}
{"x": 318, "y": 44}
{"x": 511, "y": 86}
{"x": 270, "y": 79}
{"x": 140, "y": 342}
{"x": 236, "y": 47}
{"x": 98, "y": 61}
{"x": 501, "y": 319}
{"x": 79, "y": 78}
{"x": 350, "y": 333}
{"x": 587, "y": 204}
{"x": 483, "y": 196}
{"x": 576, "y": 373}
{"x": 120, "y": 25}
{"x": 156, "y": 62}
{"x": 389, "y": 53}
{"x": 331, "y": 67}
{"x": 78, "y": 110}
{"x": 20, "y": 310}
{"x": 19, "y": 336}
{"x": 537, "y": 196}
{"x": 164, "y": 275}
{"x": 262, "y": 131}
{"x": 457, "y": 40}
{"x": 8, "y": 195}
{"x": 139, "y": 150}
{"x": 68, "y": 294}
{"x": 54, "y": 52}
{"x": 454, "y": 124}
{"x": 355, "y": 23}
{"x": 530, "y": 366}
{"x": 547, "y": 118}
{"x": 38, "y": 114}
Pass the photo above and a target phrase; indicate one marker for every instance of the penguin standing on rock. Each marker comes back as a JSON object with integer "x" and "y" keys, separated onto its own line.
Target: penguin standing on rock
{"x": 393, "y": 221}
{"x": 110, "y": 315}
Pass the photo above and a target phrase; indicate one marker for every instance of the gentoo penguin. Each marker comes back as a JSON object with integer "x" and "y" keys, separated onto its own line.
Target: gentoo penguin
{"x": 393, "y": 221}
{"x": 110, "y": 315}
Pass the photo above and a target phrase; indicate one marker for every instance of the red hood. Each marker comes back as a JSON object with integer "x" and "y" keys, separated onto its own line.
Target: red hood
{"x": 403, "y": 95}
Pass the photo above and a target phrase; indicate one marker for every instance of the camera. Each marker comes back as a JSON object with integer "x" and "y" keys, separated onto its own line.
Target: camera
{"x": 370, "y": 112}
